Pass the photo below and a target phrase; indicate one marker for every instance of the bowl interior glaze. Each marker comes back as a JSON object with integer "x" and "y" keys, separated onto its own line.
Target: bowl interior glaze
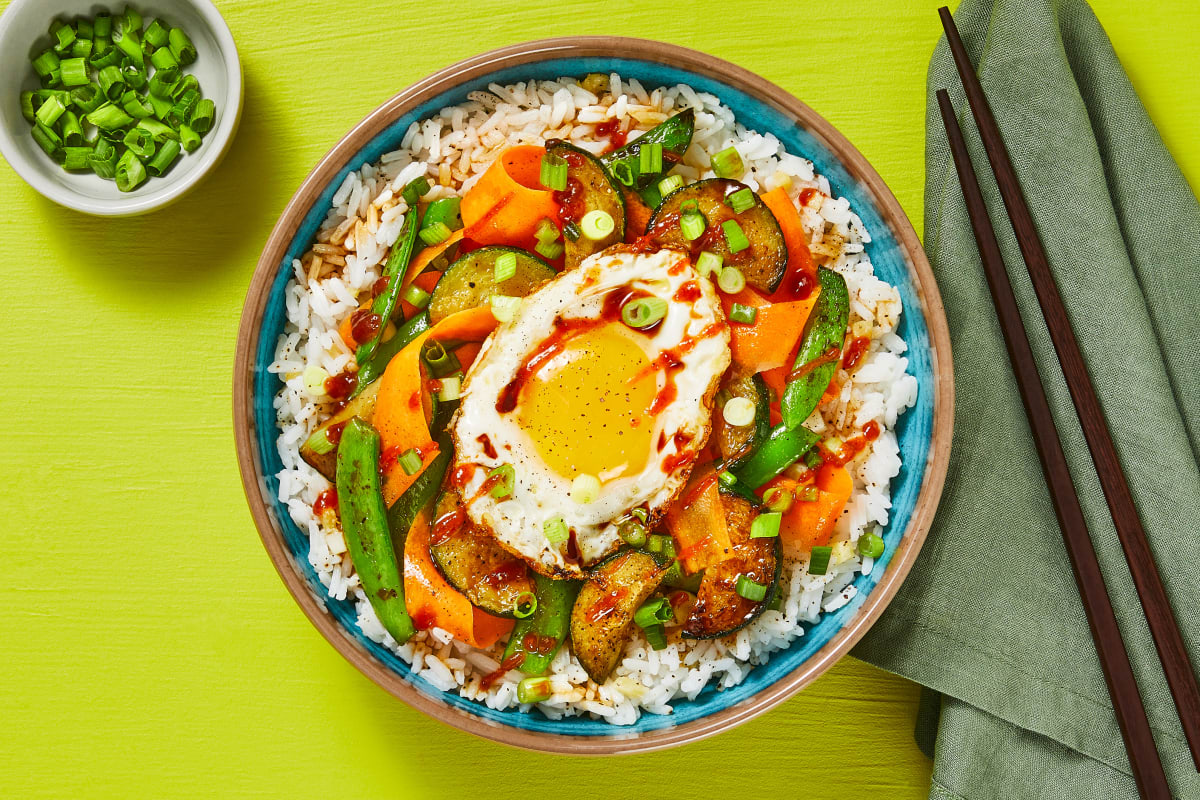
{"x": 897, "y": 258}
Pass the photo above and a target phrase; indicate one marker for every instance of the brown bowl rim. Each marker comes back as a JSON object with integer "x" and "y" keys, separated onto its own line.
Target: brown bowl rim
{"x": 636, "y": 49}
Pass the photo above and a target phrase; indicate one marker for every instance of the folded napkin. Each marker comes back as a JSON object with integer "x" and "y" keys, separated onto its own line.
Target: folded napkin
{"x": 990, "y": 619}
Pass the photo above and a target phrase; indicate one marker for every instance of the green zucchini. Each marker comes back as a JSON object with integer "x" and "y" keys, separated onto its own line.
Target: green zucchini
{"x": 319, "y": 450}
{"x": 597, "y": 192}
{"x": 674, "y": 134}
{"x": 764, "y": 262}
{"x": 474, "y": 563}
{"x": 719, "y": 609}
{"x": 824, "y": 333}
{"x": 539, "y": 635}
{"x": 603, "y": 611}
{"x": 471, "y": 280}
{"x": 738, "y": 443}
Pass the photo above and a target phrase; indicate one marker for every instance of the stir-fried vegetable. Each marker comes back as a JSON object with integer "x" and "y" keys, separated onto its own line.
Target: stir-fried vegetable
{"x": 673, "y": 136}
{"x": 603, "y": 612}
{"x": 590, "y": 201}
{"x": 506, "y": 204}
{"x": 385, "y": 304}
{"x": 780, "y": 450}
{"x": 820, "y": 350}
{"x": 539, "y": 636}
{"x": 473, "y": 280}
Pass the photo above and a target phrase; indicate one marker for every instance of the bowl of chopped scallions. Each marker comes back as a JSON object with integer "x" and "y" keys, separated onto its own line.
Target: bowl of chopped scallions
{"x": 116, "y": 110}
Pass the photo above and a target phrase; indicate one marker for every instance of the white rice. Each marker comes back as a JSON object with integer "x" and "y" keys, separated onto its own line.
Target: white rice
{"x": 452, "y": 149}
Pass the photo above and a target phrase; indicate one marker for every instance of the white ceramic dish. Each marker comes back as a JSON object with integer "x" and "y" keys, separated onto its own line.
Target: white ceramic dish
{"x": 24, "y": 31}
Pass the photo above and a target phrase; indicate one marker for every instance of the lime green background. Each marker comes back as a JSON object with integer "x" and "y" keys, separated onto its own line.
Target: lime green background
{"x": 147, "y": 647}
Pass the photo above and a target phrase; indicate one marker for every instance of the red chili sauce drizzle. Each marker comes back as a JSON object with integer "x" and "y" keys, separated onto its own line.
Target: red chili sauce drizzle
{"x": 612, "y": 129}
{"x": 333, "y": 434}
{"x": 871, "y": 431}
{"x": 852, "y": 447}
{"x": 326, "y": 501}
{"x": 539, "y": 645}
{"x": 380, "y": 286}
{"x": 447, "y": 525}
{"x": 489, "y": 449}
{"x": 855, "y": 351}
{"x": 606, "y": 605}
{"x": 571, "y": 205}
{"x": 364, "y": 324}
{"x": 797, "y": 285}
{"x": 507, "y": 572}
{"x": 688, "y": 293}
{"x": 806, "y": 195}
{"x": 828, "y": 357}
{"x": 510, "y": 663}
{"x": 341, "y": 385}
{"x": 571, "y": 556}
{"x": 462, "y": 475}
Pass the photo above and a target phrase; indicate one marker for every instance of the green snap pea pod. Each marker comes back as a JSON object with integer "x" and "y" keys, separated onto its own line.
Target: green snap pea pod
{"x": 416, "y": 497}
{"x": 551, "y": 620}
{"x": 823, "y": 334}
{"x": 365, "y": 526}
{"x": 674, "y": 134}
{"x": 370, "y": 370}
{"x": 777, "y": 453}
{"x": 389, "y": 300}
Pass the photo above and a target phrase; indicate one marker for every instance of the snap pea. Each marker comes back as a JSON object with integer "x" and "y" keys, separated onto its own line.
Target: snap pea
{"x": 777, "y": 453}
{"x": 823, "y": 333}
{"x": 551, "y": 620}
{"x": 366, "y": 529}
{"x": 674, "y": 134}
{"x": 370, "y": 370}
{"x": 417, "y": 496}
{"x": 386, "y": 303}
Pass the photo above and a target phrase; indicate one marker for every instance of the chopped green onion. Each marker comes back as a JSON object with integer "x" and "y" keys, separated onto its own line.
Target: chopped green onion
{"x": 76, "y": 158}
{"x": 661, "y": 543}
{"x": 766, "y": 526}
{"x": 131, "y": 20}
{"x": 813, "y": 458}
{"x": 46, "y": 63}
{"x": 504, "y": 487}
{"x": 82, "y": 48}
{"x": 818, "y": 562}
{"x": 555, "y": 530}
{"x": 163, "y": 58}
{"x": 451, "y": 388}
{"x": 734, "y": 236}
{"x": 86, "y": 98}
{"x": 110, "y": 58}
{"x": 526, "y": 603}
{"x": 130, "y": 44}
{"x": 65, "y": 35}
{"x": 102, "y": 26}
{"x": 53, "y": 79}
{"x": 112, "y": 82}
{"x": 632, "y": 532}
{"x": 739, "y": 411}
{"x": 201, "y": 120}
{"x": 504, "y": 308}
{"x": 692, "y": 225}
{"x": 778, "y": 499}
{"x": 48, "y": 140}
{"x": 164, "y": 159}
{"x": 319, "y": 443}
{"x": 640, "y": 514}
{"x": 654, "y": 612}
{"x": 160, "y": 86}
{"x": 505, "y": 267}
{"x": 743, "y": 313}
{"x": 130, "y": 173}
{"x": 74, "y": 72}
{"x": 709, "y": 264}
{"x": 534, "y": 689}
{"x": 156, "y": 33}
{"x": 549, "y": 250}
{"x": 415, "y": 190}
{"x": 651, "y": 196}
{"x": 546, "y": 231}
{"x": 27, "y": 110}
{"x": 670, "y": 184}
{"x": 140, "y": 142}
{"x": 72, "y": 132}
{"x": 571, "y": 231}
{"x": 623, "y": 173}
{"x": 135, "y": 106}
{"x": 553, "y": 173}
{"x": 410, "y": 461}
{"x": 416, "y": 296}
{"x": 187, "y": 83}
{"x": 597, "y": 224}
{"x": 656, "y": 637}
{"x": 741, "y": 200}
{"x": 103, "y": 160}
{"x": 50, "y": 111}
{"x": 727, "y": 163}
{"x": 808, "y": 494}
{"x": 731, "y": 280}
{"x": 181, "y": 112}
{"x": 135, "y": 78}
{"x": 188, "y": 138}
{"x": 436, "y": 233}
{"x": 585, "y": 489}
{"x": 158, "y": 130}
{"x": 650, "y": 158}
{"x": 643, "y": 312}
{"x": 870, "y": 545}
{"x": 749, "y": 589}
{"x": 440, "y": 361}
{"x": 726, "y": 478}
{"x": 181, "y": 46}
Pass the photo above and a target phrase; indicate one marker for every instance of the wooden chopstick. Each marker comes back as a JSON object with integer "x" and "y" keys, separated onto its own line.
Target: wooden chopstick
{"x": 1168, "y": 641}
{"x": 1127, "y": 702}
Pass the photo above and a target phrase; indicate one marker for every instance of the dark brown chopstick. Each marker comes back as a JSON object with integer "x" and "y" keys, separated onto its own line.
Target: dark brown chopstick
{"x": 1127, "y": 702}
{"x": 1179, "y": 671}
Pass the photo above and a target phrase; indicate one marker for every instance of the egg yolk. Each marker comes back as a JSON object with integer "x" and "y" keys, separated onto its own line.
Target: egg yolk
{"x": 585, "y": 408}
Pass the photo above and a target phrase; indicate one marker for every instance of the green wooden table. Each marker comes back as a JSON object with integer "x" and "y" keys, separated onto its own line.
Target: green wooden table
{"x": 147, "y": 648}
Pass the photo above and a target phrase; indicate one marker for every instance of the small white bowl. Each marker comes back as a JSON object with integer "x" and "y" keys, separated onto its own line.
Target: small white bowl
{"x": 24, "y": 31}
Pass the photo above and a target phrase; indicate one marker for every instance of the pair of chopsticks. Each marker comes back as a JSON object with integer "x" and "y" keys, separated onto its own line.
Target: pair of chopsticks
{"x": 1181, "y": 677}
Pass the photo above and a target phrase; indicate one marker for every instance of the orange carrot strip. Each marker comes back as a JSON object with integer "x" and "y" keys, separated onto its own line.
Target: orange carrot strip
{"x": 637, "y": 216}
{"x": 766, "y": 343}
{"x": 810, "y": 523}
{"x": 794, "y": 236}
{"x": 432, "y": 602}
{"x": 507, "y": 203}
{"x": 697, "y": 523}
{"x": 424, "y": 258}
{"x": 426, "y": 281}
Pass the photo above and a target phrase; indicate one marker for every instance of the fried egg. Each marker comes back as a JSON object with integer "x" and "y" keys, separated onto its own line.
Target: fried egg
{"x": 567, "y": 389}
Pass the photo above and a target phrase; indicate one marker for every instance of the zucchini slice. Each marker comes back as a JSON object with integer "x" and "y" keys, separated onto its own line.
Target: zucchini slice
{"x": 719, "y": 609}
{"x": 764, "y": 262}
{"x": 675, "y": 136}
{"x": 603, "y": 611}
{"x": 824, "y": 332}
{"x": 474, "y": 563}
{"x": 588, "y": 189}
{"x": 738, "y": 443}
{"x": 320, "y": 449}
{"x": 471, "y": 280}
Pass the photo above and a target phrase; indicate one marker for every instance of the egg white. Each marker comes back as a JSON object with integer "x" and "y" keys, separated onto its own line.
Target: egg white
{"x": 541, "y": 494}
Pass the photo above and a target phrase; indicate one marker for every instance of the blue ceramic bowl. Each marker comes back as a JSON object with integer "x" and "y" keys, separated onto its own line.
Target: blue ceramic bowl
{"x": 924, "y": 431}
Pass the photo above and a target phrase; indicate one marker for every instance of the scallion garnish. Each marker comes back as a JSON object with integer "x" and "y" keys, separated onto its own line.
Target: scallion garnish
{"x": 140, "y": 142}
{"x": 415, "y": 296}
{"x": 741, "y": 200}
{"x": 751, "y": 590}
{"x": 818, "y": 562}
{"x": 319, "y": 443}
{"x": 181, "y": 46}
{"x": 156, "y": 33}
{"x": 727, "y": 163}
{"x": 505, "y": 267}
{"x": 734, "y": 237}
{"x": 656, "y": 637}
{"x": 708, "y": 264}
{"x": 726, "y": 478}
{"x": 74, "y": 72}
{"x": 549, "y": 250}
{"x": 49, "y": 112}
{"x": 585, "y": 489}
{"x": 654, "y": 612}
{"x": 808, "y": 494}
{"x": 553, "y": 172}
{"x": 650, "y": 158}
{"x": 778, "y": 499}
{"x": 504, "y": 308}
{"x": 72, "y": 132}
{"x": 27, "y": 110}
{"x": 130, "y": 172}
{"x": 188, "y": 138}
{"x": 46, "y": 63}
{"x": 738, "y": 412}
{"x": 546, "y": 231}
{"x": 670, "y": 184}
{"x": 597, "y": 224}
{"x": 436, "y": 233}
{"x": 48, "y": 140}
{"x": 503, "y": 487}
{"x": 571, "y": 231}
{"x": 871, "y": 545}
{"x": 165, "y": 158}
{"x": 743, "y": 313}
{"x": 526, "y": 603}
{"x": 813, "y": 458}
{"x": 766, "y": 525}
{"x": 692, "y": 225}
{"x": 534, "y": 689}
{"x": 451, "y": 388}
{"x": 415, "y": 190}
{"x": 555, "y": 530}
{"x": 76, "y": 158}
{"x": 731, "y": 280}
{"x": 410, "y": 461}
{"x": 438, "y": 360}
{"x": 643, "y": 312}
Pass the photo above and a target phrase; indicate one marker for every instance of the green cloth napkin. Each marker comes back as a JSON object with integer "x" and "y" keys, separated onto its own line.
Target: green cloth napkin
{"x": 990, "y": 619}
